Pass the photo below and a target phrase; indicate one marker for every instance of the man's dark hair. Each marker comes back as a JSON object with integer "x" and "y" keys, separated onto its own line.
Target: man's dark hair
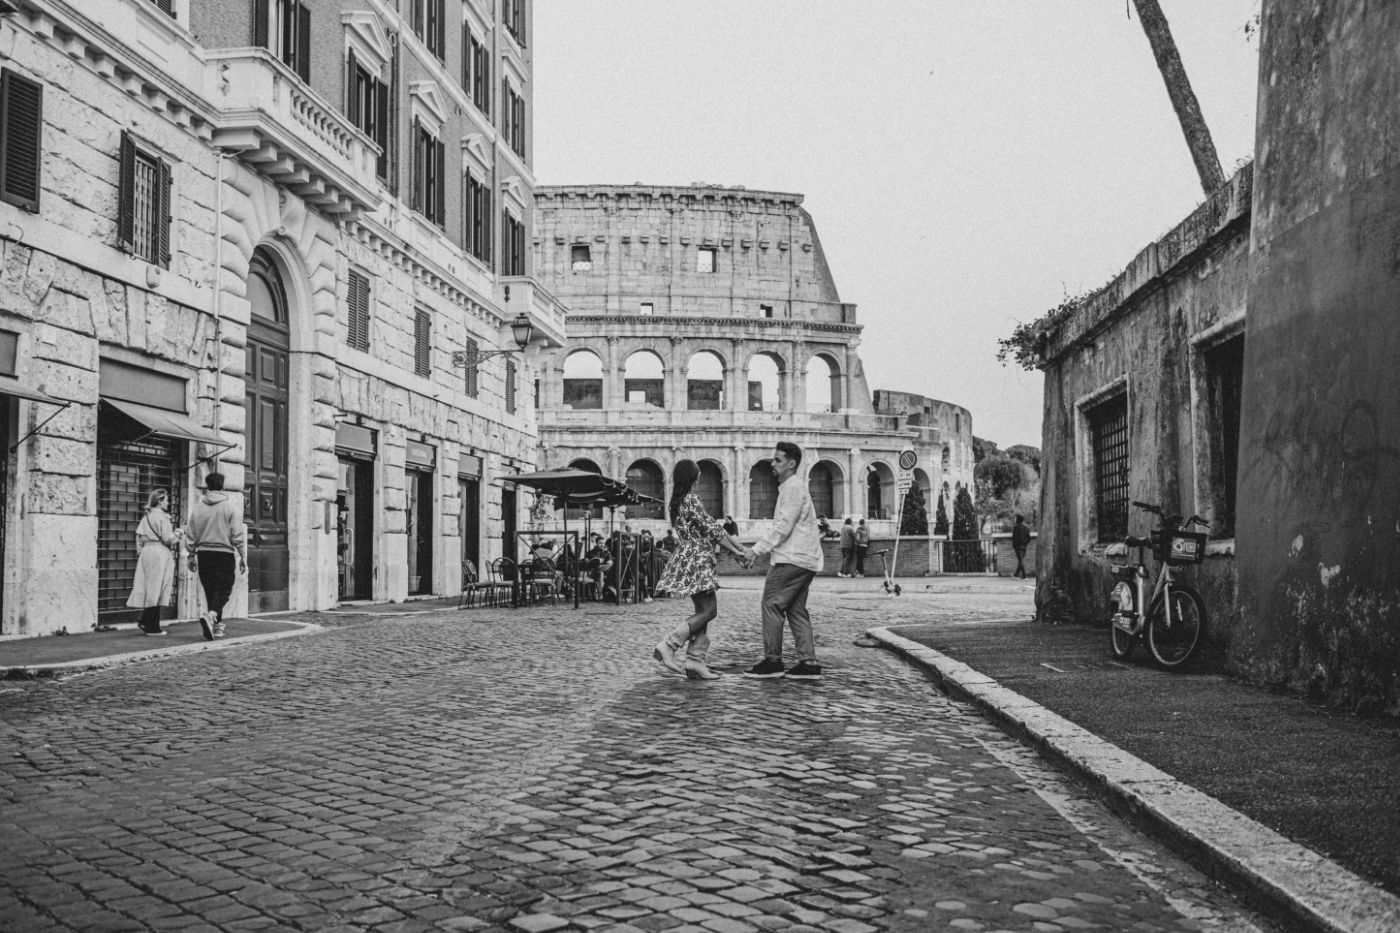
{"x": 214, "y": 482}
{"x": 791, "y": 451}
{"x": 1020, "y": 519}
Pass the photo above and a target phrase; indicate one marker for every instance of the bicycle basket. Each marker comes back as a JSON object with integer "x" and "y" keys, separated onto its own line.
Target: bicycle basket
{"x": 1179, "y": 548}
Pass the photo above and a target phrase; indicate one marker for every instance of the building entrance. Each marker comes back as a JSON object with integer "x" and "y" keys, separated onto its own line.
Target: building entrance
{"x": 354, "y": 500}
{"x": 267, "y": 385}
{"x": 5, "y": 405}
{"x": 127, "y": 471}
{"x": 419, "y": 491}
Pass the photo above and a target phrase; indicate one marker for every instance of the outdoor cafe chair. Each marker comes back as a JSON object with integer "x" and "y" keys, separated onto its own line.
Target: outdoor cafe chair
{"x": 504, "y": 572}
{"x": 472, "y": 587}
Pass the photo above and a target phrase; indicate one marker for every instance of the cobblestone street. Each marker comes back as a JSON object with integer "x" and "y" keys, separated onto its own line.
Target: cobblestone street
{"x": 535, "y": 770}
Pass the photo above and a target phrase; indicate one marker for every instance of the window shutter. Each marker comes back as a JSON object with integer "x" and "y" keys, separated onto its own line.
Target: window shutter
{"x": 21, "y": 140}
{"x": 440, "y": 178}
{"x": 352, "y": 89}
{"x": 381, "y": 127}
{"x": 416, "y": 183}
{"x": 418, "y": 18}
{"x": 304, "y": 42}
{"x": 510, "y": 386}
{"x": 466, "y": 59}
{"x": 261, "y": 13}
{"x": 473, "y": 348}
{"x": 358, "y": 330}
{"x": 126, "y": 194}
{"x": 422, "y": 343}
{"x": 162, "y": 215}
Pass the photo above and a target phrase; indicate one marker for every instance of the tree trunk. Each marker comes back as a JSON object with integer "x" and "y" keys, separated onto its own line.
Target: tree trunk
{"x": 1188, "y": 111}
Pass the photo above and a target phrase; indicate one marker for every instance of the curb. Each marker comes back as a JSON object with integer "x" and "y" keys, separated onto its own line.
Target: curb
{"x": 116, "y": 660}
{"x": 1291, "y": 884}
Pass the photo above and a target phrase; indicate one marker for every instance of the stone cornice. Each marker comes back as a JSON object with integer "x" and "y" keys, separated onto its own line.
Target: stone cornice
{"x": 391, "y": 248}
{"x": 549, "y": 193}
{"x": 673, "y": 321}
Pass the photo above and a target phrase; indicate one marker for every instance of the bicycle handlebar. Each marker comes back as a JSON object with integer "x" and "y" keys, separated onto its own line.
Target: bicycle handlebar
{"x": 1154, "y": 509}
{"x": 1174, "y": 520}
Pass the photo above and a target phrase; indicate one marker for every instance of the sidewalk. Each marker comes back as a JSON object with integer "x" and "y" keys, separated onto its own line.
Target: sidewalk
{"x": 1293, "y": 805}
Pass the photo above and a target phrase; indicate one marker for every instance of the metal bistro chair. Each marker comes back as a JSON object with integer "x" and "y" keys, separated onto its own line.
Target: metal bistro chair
{"x": 472, "y": 587}
{"x": 503, "y": 581}
{"x": 541, "y": 580}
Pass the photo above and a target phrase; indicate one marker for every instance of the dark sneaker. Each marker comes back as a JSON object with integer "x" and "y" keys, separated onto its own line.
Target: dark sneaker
{"x": 805, "y": 670}
{"x": 206, "y": 627}
{"x": 765, "y": 668}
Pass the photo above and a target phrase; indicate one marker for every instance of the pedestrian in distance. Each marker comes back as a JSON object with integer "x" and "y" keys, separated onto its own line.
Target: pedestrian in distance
{"x": 731, "y": 527}
{"x": 848, "y": 550}
{"x": 669, "y": 543}
{"x": 1020, "y": 540}
{"x": 862, "y": 547}
{"x": 214, "y": 536}
{"x": 795, "y": 558}
{"x": 691, "y": 572}
{"x": 156, "y": 540}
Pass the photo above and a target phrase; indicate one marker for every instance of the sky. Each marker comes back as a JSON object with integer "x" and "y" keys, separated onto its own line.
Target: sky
{"x": 968, "y": 163}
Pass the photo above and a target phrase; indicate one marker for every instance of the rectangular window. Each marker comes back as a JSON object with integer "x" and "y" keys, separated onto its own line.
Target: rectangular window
{"x": 513, "y": 244}
{"x": 481, "y": 76}
{"x": 422, "y": 343}
{"x": 765, "y": 311}
{"x": 429, "y": 24}
{"x": 429, "y": 158}
{"x": 472, "y": 350}
{"x": 477, "y": 214}
{"x": 284, "y": 28}
{"x": 646, "y": 308}
{"x": 166, "y": 6}
{"x": 513, "y": 18}
{"x": 1225, "y": 382}
{"x": 581, "y": 257}
{"x": 21, "y": 140}
{"x": 512, "y": 118}
{"x": 357, "y": 323}
{"x": 705, "y": 259}
{"x": 367, "y": 106}
{"x": 510, "y": 387}
{"x": 143, "y": 204}
{"x": 1108, "y": 427}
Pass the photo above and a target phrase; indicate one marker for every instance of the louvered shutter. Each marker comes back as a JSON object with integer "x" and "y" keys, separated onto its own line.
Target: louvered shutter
{"x": 21, "y": 140}
{"x": 260, "y": 23}
{"x": 416, "y": 183}
{"x": 162, "y": 215}
{"x": 352, "y": 90}
{"x": 126, "y": 194}
{"x": 422, "y": 343}
{"x": 381, "y": 127}
{"x": 440, "y": 178}
{"x": 304, "y": 42}
{"x": 357, "y": 332}
{"x": 473, "y": 348}
{"x": 510, "y": 386}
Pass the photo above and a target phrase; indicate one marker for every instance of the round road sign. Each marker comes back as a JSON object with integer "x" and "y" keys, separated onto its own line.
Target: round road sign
{"x": 907, "y": 460}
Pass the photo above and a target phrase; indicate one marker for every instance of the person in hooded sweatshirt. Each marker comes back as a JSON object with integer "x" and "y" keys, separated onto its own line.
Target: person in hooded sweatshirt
{"x": 215, "y": 536}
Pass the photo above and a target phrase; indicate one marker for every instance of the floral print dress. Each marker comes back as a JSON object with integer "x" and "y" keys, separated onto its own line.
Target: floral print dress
{"x": 691, "y": 569}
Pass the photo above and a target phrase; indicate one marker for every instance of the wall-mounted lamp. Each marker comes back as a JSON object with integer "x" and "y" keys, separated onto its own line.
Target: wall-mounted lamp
{"x": 520, "y": 328}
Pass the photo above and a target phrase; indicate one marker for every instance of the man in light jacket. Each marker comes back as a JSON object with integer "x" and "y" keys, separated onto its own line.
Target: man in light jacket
{"x": 795, "y": 556}
{"x": 214, "y": 536}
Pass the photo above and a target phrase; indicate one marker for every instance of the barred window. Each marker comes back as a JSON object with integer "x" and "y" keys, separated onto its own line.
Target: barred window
{"x": 1108, "y": 427}
{"x": 357, "y": 326}
{"x": 422, "y": 343}
{"x": 143, "y": 204}
{"x": 473, "y": 349}
{"x": 510, "y": 387}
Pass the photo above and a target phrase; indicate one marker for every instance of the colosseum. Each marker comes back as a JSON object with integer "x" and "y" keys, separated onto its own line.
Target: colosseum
{"x": 705, "y": 324}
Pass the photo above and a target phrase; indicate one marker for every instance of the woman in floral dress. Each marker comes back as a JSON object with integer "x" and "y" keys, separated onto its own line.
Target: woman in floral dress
{"x": 691, "y": 572}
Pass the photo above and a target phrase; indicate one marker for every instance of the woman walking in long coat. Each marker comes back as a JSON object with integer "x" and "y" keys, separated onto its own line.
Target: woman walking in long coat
{"x": 155, "y": 566}
{"x": 691, "y": 572}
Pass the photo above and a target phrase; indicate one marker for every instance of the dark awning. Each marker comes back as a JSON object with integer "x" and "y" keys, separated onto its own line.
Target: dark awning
{"x": 9, "y": 386}
{"x": 167, "y": 423}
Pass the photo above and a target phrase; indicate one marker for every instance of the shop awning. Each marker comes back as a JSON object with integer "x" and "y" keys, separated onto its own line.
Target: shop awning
{"x": 11, "y": 386}
{"x": 167, "y": 423}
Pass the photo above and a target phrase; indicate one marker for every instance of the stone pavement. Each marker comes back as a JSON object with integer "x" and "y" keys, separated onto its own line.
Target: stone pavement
{"x": 534, "y": 770}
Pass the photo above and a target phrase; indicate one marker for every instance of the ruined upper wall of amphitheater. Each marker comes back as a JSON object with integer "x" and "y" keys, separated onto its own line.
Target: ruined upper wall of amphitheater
{"x": 698, "y": 250}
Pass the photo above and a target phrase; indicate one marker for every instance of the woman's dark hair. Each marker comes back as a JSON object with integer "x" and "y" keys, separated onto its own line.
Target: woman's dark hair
{"x": 683, "y": 478}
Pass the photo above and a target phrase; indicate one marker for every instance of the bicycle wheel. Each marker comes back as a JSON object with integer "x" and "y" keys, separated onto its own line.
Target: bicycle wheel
{"x": 1122, "y": 643}
{"x": 1175, "y": 644}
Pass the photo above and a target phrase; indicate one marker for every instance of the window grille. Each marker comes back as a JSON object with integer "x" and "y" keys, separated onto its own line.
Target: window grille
{"x": 143, "y": 204}
{"x": 1108, "y": 424}
{"x": 126, "y": 474}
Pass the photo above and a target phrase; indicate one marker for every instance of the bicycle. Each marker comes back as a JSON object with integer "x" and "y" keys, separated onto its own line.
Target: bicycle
{"x": 1174, "y": 625}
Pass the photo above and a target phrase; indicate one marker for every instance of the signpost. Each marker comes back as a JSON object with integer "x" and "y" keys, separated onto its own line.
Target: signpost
{"x": 907, "y": 461}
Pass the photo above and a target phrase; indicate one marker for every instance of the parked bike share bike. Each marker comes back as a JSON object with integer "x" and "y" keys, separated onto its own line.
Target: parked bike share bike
{"x": 1174, "y": 625}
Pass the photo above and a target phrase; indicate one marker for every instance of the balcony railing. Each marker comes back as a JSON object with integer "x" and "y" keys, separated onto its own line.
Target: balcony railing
{"x": 286, "y": 132}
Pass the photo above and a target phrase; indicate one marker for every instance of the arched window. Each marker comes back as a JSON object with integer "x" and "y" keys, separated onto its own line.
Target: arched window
{"x": 644, "y": 477}
{"x": 872, "y": 495}
{"x": 709, "y": 488}
{"x": 765, "y": 382}
{"x": 704, "y": 387}
{"x": 763, "y": 490}
{"x": 588, "y": 466}
{"x": 821, "y": 484}
{"x": 583, "y": 380}
{"x": 823, "y": 384}
{"x": 880, "y": 492}
{"x": 947, "y": 459}
{"x": 644, "y": 380}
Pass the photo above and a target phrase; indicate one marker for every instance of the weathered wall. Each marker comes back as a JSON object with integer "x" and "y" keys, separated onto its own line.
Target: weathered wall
{"x": 1142, "y": 333}
{"x": 1320, "y": 544}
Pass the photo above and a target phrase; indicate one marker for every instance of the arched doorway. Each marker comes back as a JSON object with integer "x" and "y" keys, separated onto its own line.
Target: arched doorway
{"x": 709, "y": 488}
{"x": 880, "y": 496}
{"x": 645, "y": 477}
{"x": 824, "y": 484}
{"x": 266, "y": 477}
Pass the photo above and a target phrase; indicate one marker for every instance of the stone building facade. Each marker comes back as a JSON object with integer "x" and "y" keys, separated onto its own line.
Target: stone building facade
{"x": 251, "y": 236}
{"x": 705, "y": 324}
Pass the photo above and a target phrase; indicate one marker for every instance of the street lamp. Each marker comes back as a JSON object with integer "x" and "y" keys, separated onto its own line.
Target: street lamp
{"x": 520, "y": 328}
